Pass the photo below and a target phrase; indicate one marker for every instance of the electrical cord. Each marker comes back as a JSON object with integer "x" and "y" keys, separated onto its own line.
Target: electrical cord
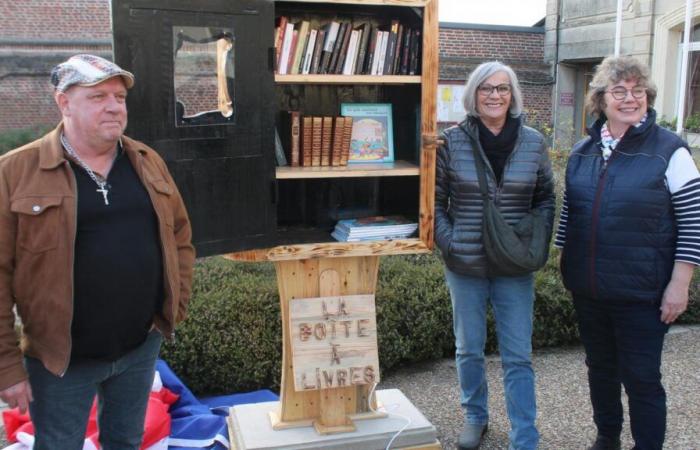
{"x": 390, "y": 414}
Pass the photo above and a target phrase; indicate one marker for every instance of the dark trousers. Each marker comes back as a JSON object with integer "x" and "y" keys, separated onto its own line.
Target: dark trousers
{"x": 623, "y": 343}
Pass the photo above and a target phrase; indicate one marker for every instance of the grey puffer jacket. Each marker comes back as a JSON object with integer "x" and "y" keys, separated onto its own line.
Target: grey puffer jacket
{"x": 526, "y": 184}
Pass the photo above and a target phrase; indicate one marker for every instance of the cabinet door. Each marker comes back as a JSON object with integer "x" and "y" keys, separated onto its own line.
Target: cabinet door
{"x": 203, "y": 99}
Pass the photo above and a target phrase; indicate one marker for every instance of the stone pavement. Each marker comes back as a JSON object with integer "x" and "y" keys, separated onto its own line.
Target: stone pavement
{"x": 564, "y": 412}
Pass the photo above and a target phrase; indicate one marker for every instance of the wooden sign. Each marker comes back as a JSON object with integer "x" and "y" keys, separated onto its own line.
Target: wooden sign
{"x": 334, "y": 341}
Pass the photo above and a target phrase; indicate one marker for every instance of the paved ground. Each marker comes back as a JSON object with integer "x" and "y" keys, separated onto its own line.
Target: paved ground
{"x": 564, "y": 413}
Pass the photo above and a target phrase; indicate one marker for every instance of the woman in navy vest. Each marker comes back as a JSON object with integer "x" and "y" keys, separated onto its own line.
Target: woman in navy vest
{"x": 519, "y": 179}
{"x": 630, "y": 239}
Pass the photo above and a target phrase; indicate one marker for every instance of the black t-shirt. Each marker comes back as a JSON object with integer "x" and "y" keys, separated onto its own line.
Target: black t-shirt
{"x": 118, "y": 268}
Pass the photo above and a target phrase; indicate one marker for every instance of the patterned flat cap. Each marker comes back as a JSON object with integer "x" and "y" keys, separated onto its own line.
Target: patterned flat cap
{"x": 87, "y": 70}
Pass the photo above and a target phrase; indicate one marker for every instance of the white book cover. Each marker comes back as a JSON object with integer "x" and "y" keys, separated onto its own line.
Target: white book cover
{"x": 377, "y": 51}
{"x": 331, "y": 36}
{"x": 351, "y": 54}
{"x": 286, "y": 47}
{"x": 382, "y": 53}
{"x": 309, "y": 52}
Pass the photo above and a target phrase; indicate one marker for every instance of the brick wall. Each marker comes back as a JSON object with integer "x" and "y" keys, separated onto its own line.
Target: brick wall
{"x": 463, "y": 46}
{"x": 54, "y": 19}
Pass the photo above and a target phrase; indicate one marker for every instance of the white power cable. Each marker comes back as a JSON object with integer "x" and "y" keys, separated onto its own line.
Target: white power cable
{"x": 390, "y": 414}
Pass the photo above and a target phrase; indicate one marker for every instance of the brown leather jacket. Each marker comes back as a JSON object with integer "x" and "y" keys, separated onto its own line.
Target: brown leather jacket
{"x": 37, "y": 238}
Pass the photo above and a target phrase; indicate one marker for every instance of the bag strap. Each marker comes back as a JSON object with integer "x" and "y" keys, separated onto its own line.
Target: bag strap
{"x": 480, "y": 172}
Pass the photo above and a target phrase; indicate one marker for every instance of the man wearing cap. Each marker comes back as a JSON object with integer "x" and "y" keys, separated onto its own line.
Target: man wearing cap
{"x": 95, "y": 254}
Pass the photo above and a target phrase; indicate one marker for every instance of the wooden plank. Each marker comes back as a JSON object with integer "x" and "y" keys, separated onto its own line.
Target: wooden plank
{"x": 345, "y": 249}
{"x": 334, "y": 339}
{"x": 295, "y": 279}
{"x": 301, "y": 279}
{"x": 433, "y": 446}
{"x": 347, "y": 79}
{"x": 333, "y": 418}
{"x": 429, "y": 69}
{"x": 392, "y": 169}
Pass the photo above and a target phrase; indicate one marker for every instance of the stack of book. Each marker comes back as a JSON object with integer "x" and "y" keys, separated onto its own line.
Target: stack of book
{"x": 375, "y": 228}
{"x": 318, "y": 141}
{"x": 346, "y": 47}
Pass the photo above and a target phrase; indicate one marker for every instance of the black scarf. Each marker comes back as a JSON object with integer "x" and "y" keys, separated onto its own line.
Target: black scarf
{"x": 499, "y": 147}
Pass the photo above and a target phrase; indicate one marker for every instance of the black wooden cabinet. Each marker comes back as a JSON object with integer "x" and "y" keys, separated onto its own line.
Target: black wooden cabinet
{"x": 221, "y": 157}
{"x": 207, "y": 99}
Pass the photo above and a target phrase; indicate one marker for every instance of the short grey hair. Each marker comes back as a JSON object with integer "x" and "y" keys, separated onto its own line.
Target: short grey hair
{"x": 482, "y": 72}
{"x": 612, "y": 70}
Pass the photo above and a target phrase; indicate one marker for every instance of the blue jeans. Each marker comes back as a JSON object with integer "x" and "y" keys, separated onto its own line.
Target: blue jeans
{"x": 62, "y": 405}
{"x": 623, "y": 345}
{"x": 512, "y": 301}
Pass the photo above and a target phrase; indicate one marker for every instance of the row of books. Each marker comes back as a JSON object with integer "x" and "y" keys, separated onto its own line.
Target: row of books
{"x": 373, "y": 228}
{"x": 319, "y": 141}
{"x": 342, "y": 47}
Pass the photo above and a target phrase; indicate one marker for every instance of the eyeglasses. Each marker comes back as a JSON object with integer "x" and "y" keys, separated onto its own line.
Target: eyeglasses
{"x": 487, "y": 89}
{"x": 620, "y": 93}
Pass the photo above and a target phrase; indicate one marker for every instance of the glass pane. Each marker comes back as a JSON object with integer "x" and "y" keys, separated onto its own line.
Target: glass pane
{"x": 692, "y": 95}
{"x": 203, "y": 75}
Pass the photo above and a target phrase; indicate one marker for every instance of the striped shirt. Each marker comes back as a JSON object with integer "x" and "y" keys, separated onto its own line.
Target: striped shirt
{"x": 683, "y": 182}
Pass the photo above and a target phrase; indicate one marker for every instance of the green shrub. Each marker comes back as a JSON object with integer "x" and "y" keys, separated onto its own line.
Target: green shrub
{"x": 12, "y": 139}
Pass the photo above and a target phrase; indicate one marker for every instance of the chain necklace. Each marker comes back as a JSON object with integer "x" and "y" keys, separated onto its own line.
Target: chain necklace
{"x": 101, "y": 182}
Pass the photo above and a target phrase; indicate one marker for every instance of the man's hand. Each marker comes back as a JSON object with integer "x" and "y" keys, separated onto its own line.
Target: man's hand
{"x": 18, "y": 396}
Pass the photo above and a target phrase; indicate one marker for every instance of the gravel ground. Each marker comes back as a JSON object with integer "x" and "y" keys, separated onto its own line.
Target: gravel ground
{"x": 564, "y": 412}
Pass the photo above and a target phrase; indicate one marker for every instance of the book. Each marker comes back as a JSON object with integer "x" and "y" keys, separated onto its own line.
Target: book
{"x": 390, "y": 48}
{"x": 377, "y": 52}
{"x": 316, "y": 139}
{"x": 318, "y": 49}
{"x": 349, "y": 65}
{"x": 337, "y": 147}
{"x": 279, "y": 37}
{"x": 405, "y": 50}
{"x": 367, "y": 69}
{"x": 374, "y": 228}
{"x": 347, "y": 135}
{"x": 331, "y": 34}
{"x": 336, "y": 48}
{"x": 343, "y": 50}
{"x": 279, "y": 150}
{"x": 362, "y": 52}
{"x": 300, "y": 46}
{"x": 397, "y": 52}
{"x": 414, "y": 57}
{"x": 380, "y": 55}
{"x": 372, "y": 137}
{"x": 306, "y": 141}
{"x": 326, "y": 140}
{"x": 292, "y": 50}
{"x": 309, "y": 53}
{"x": 296, "y": 131}
{"x": 286, "y": 47}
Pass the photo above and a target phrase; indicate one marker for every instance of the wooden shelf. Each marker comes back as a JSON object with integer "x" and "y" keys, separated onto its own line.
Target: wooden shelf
{"x": 354, "y": 170}
{"x": 333, "y": 250}
{"x": 348, "y": 79}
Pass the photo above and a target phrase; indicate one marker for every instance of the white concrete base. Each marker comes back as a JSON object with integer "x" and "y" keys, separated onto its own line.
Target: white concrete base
{"x": 251, "y": 429}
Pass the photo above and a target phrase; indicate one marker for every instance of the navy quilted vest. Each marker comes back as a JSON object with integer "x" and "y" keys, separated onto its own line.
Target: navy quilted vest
{"x": 621, "y": 230}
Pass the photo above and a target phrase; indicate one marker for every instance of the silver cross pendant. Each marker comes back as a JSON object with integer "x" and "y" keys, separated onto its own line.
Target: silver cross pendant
{"x": 104, "y": 194}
